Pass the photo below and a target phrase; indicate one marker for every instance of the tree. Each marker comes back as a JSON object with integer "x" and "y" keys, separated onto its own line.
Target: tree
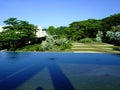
{"x": 18, "y": 29}
{"x": 116, "y": 28}
{"x": 110, "y": 21}
{"x": 113, "y": 36}
{"x": 62, "y": 31}
{"x": 51, "y": 30}
{"x": 99, "y": 36}
{"x": 85, "y": 29}
{"x": 11, "y": 21}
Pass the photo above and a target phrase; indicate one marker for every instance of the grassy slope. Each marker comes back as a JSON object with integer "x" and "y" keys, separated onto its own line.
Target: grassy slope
{"x": 78, "y": 47}
{"x": 96, "y": 47}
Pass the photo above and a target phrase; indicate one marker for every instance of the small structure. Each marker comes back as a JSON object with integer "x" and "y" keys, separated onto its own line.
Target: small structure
{"x": 41, "y": 33}
{"x": 1, "y": 29}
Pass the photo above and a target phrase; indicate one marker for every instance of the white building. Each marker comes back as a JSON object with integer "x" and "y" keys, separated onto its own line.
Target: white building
{"x": 1, "y": 28}
{"x": 40, "y": 32}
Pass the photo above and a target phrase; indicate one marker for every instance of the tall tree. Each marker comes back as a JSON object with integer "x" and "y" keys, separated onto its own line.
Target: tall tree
{"x": 62, "y": 31}
{"x": 11, "y": 21}
{"x": 18, "y": 29}
{"x": 110, "y": 21}
{"x": 86, "y": 28}
{"x": 51, "y": 30}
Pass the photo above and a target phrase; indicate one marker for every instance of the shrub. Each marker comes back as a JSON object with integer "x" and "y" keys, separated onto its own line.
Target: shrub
{"x": 110, "y": 35}
{"x": 98, "y": 39}
{"x": 46, "y": 46}
{"x": 116, "y": 48}
{"x": 99, "y": 36}
{"x": 49, "y": 39}
{"x": 63, "y": 43}
{"x": 86, "y": 40}
{"x": 55, "y": 45}
{"x": 35, "y": 47}
{"x": 113, "y": 37}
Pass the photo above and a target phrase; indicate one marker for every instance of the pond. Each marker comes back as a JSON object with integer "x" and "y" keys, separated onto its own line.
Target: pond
{"x": 59, "y": 71}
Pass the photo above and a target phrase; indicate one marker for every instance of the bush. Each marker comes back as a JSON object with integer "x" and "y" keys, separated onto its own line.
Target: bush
{"x": 113, "y": 37}
{"x": 63, "y": 43}
{"x": 98, "y": 39}
{"x": 116, "y": 48}
{"x": 49, "y": 39}
{"x": 35, "y": 47}
{"x": 46, "y": 46}
{"x": 49, "y": 45}
{"x": 86, "y": 40}
{"x": 99, "y": 36}
{"x": 55, "y": 45}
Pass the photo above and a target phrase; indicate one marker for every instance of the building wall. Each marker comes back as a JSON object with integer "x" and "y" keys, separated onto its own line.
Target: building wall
{"x": 1, "y": 29}
{"x": 41, "y": 33}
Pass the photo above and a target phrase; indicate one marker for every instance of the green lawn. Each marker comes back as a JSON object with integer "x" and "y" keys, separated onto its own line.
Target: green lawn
{"x": 94, "y": 47}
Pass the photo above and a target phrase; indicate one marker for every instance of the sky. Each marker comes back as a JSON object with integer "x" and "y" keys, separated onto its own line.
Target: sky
{"x": 57, "y": 13}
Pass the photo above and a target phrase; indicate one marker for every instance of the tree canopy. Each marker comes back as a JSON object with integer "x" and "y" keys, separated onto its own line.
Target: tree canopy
{"x": 17, "y": 29}
{"x": 84, "y": 29}
{"x": 51, "y": 30}
{"x": 110, "y": 21}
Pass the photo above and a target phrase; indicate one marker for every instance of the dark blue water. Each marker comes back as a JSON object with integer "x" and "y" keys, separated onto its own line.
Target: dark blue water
{"x": 59, "y": 71}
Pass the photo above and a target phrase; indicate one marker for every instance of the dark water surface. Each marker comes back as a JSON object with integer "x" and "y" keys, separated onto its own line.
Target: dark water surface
{"x": 59, "y": 71}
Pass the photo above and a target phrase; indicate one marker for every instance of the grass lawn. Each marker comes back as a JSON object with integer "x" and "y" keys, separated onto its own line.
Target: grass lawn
{"x": 94, "y": 47}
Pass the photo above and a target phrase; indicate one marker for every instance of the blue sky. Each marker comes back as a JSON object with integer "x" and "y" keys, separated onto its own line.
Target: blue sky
{"x": 57, "y": 12}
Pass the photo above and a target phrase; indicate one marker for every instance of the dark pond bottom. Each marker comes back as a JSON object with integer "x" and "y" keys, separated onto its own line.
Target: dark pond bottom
{"x": 59, "y": 71}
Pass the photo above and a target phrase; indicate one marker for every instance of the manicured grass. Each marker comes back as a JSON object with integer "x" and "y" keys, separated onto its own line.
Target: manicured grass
{"x": 96, "y": 47}
{"x": 78, "y": 47}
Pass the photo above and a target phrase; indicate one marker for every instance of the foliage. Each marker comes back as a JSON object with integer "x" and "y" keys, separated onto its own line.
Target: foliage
{"x": 49, "y": 39}
{"x": 99, "y": 36}
{"x": 17, "y": 29}
{"x": 35, "y": 47}
{"x": 113, "y": 37}
{"x": 51, "y": 30}
{"x": 55, "y": 44}
{"x": 110, "y": 36}
{"x": 62, "y": 31}
{"x": 116, "y": 28}
{"x": 86, "y": 40}
{"x": 46, "y": 46}
{"x": 12, "y": 35}
{"x": 117, "y": 38}
{"x": 110, "y": 21}
{"x": 63, "y": 43}
{"x": 85, "y": 29}
{"x": 106, "y": 30}
{"x": 116, "y": 48}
